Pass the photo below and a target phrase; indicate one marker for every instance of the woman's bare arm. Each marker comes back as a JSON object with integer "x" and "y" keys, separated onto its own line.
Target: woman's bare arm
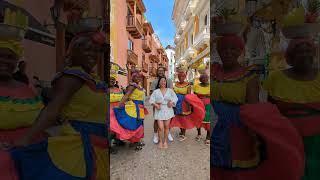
{"x": 63, "y": 90}
{"x": 127, "y": 95}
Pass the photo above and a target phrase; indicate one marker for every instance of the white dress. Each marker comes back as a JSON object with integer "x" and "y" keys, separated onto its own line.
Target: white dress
{"x": 165, "y": 113}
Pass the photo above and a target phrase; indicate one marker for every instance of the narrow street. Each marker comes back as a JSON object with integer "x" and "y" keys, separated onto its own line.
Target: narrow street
{"x": 187, "y": 160}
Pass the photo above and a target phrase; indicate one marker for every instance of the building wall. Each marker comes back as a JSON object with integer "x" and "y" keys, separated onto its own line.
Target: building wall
{"x": 193, "y": 27}
{"x": 171, "y": 64}
{"x": 119, "y": 42}
{"x": 40, "y": 58}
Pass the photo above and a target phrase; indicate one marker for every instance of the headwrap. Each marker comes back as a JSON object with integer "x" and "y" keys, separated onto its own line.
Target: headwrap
{"x": 114, "y": 71}
{"x": 294, "y": 42}
{"x": 230, "y": 39}
{"x": 13, "y": 45}
{"x": 202, "y": 68}
{"x": 182, "y": 69}
{"x": 97, "y": 37}
{"x": 136, "y": 72}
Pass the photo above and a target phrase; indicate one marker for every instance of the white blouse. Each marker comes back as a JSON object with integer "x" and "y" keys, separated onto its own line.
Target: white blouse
{"x": 165, "y": 113}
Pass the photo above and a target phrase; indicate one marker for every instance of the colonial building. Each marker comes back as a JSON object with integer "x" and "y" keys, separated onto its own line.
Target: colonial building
{"x": 171, "y": 63}
{"x": 48, "y": 34}
{"x": 133, "y": 42}
{"x": 192, "y": 39}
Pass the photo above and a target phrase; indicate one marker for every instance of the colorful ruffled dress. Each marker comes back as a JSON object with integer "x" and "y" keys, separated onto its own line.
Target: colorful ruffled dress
{"x": 300, "y": 102}
{"x": 80, "y": 152}
{"x": 19, "y": 108}
{"x": 250, "y": 141}
{"x": 189, "y": 110}
{"x": 204, "y": 94}
{"x": 127, "y": 121}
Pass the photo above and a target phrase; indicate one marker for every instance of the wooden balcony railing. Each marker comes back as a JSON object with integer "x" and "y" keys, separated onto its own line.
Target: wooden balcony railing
{"x": 146, "y": 45}
{"x": 132, "y": 57}
{"x": 134, "y": 27}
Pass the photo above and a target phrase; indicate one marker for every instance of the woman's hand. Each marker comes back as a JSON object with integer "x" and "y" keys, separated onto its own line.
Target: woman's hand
{"x": 170, "y": 104}
{"x": 157, "y": 106}
{"x": 6, "y": 146}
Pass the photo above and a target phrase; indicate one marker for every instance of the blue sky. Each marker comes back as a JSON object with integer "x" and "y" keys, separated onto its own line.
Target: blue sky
{"x": 159, "y": 14}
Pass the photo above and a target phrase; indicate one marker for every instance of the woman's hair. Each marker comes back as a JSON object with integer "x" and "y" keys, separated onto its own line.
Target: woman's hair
{"x": 158, "y": 85}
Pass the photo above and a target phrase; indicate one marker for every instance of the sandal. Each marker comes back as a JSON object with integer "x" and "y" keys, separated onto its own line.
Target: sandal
{"x": 138, "y": 148}
{"x": 182, "y": 138}
{"x": 198, "y": 138}
{"x": 113, "y": 151}
{"x": 207, "y": 142}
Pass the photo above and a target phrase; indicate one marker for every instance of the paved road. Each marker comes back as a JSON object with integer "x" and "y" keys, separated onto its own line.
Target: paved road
{"x": 188, "y": 160}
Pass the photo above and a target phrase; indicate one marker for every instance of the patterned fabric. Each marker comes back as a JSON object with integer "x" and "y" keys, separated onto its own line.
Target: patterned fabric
{"x": 127, "y": 121}
{"x": 232, "y": 87}
{"x": 77, "y": 152}
{"x": 300, "y": 102}
{"x": 165, "y": 113}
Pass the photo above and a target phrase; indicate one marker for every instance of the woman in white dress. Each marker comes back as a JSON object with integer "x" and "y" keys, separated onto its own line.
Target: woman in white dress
{"x": 163, "y": 99}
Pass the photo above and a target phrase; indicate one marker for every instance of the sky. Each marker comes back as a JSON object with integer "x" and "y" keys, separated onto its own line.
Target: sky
{"x": 159, "y": 14}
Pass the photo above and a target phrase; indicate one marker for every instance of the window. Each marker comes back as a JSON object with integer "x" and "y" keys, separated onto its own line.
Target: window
{"x": 130, "y": 45}
{"x": 191, "y": 39}
{"x": 206, "y": 20}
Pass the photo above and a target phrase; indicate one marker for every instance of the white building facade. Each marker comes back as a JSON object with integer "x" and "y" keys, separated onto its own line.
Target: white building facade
{"x": 192, "y": 39}
{"x": 172, "y": 61}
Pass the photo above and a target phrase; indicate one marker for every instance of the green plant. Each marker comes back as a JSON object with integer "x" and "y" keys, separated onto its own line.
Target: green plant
{"x": 225, "y": 12}
{"x": 314, "y": 6}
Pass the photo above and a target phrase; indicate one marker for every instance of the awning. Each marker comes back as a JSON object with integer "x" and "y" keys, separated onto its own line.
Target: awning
{"x": 36, "y": 31}
{"x": 200, "y": 56}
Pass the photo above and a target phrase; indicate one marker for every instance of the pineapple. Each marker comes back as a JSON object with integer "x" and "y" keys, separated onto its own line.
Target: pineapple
{"x": 295, "y": 17}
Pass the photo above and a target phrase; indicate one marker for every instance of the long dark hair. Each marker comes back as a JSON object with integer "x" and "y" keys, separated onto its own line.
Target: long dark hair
{"x": 158, "y": 85}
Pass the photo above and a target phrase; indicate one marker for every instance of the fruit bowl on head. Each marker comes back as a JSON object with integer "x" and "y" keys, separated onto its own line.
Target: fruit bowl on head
{"x": 86, "y": 25}
{"x": 11, "y": 32}
{"x": 303, "y": 30}
{"x": 229, "y": 28}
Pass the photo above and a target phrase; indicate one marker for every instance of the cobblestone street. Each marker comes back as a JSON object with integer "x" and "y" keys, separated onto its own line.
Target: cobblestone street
{"x": 187, "y": 160}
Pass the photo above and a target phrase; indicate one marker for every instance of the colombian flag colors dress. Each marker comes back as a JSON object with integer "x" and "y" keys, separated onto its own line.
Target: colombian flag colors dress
{"x": 80, "y": 152}
{"x": 128, "y": 120}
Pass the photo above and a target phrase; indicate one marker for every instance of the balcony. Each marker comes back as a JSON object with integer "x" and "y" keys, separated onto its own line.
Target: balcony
{"x": 147, "y": 45}
{"x": 132, "y": 57}
{"x": 203, "y": 38}
{"x": 153, "y": 71}
{"x": 189, "y": 53}
{"x": 145, "y": 67}
{"x": 138, "y": 4}
{"x": 134, "y": 27}
{"x": 154, "y": 58}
